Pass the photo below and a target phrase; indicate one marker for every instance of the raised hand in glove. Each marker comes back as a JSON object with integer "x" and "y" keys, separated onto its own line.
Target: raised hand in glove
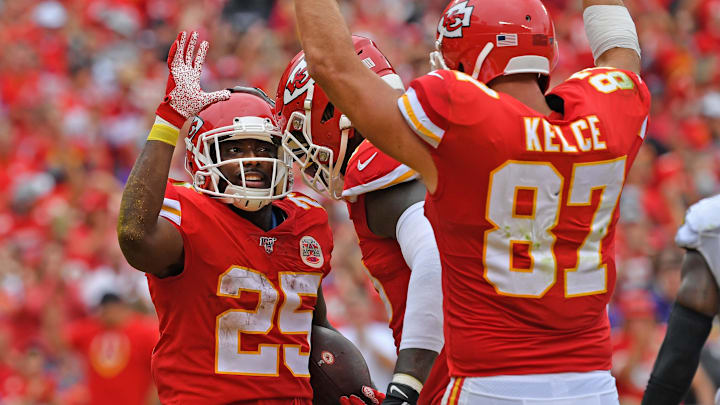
{"x": 370, "y": 396}
{"x": 401, "y": 394}
{"x": 183, "y": 96}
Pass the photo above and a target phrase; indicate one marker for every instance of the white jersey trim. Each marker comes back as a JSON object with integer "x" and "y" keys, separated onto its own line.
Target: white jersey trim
{"x": 171, "y": 211}
{"x": 400, "y": 174}
{"x": 418, "y": 120}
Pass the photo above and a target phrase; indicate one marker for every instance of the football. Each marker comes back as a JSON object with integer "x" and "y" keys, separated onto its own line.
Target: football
{"x": 337, "y": 367}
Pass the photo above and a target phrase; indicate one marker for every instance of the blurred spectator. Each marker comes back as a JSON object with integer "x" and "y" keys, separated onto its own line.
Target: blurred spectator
{"x": 78, "y": 86}
{"x": 666, "y": 281}
{"x": 373, "y": 338}
{"x": 635, "y": 347}
{"x": 116, "y": 345}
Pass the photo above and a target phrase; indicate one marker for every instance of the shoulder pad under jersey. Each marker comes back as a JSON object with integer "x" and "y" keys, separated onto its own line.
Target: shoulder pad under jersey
{"x": 701, "y": 230}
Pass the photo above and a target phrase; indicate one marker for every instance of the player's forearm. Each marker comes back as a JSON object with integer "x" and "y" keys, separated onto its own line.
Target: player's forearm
{"x": 325, "y": 39}
{"x": 330, "y": 54}
{"x": 415, "y": 362}
{"x": 143, "y": 197}
{"x": 349, "y": 84}
{"x": 678, "y": 358}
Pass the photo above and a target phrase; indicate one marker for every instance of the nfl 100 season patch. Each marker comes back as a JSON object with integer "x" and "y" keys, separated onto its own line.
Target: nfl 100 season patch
{"x": 268, "y": 243}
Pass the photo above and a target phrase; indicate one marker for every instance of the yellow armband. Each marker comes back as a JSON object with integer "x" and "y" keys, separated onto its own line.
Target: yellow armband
{"x": 164, "y": 133}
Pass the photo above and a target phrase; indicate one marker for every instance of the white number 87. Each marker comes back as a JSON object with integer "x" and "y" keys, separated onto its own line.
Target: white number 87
{"x": 531, "y": 232}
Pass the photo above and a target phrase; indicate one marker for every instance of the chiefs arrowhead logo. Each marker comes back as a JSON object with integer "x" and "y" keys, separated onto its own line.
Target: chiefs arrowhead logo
{"x": 195, "y": 127}
{"x": 457, "y": 17}
{"x": 299, "y": 82}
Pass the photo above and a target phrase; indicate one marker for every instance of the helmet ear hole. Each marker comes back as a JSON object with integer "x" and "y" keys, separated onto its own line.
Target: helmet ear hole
{"x": 461, "y": 67}
{"x": 328, "y": 113}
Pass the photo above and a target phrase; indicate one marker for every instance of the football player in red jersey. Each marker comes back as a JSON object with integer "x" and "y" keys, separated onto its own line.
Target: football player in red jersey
{"x": 234, "y": 261}
{"x": 385, "y": 201}
{"x": 522, "y": 186}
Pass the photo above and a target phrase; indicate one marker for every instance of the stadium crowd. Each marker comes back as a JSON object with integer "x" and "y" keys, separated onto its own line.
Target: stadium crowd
{"x": 79, "y": 82}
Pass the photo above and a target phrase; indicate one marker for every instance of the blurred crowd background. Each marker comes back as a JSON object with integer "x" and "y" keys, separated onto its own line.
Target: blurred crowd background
{"x": 79, "y": 84}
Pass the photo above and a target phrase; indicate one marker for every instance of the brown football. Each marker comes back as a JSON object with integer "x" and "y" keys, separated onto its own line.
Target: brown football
{"x": 337, "y": 367}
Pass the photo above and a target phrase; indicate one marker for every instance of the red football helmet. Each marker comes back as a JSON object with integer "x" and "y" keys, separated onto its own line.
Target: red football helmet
{"x": 248, "y": 114}
{"x": 488, "y": 39}
{"x": 315, "y": 133}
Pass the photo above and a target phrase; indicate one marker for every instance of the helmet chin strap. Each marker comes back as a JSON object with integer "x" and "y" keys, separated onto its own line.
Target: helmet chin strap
{"x": 307, "y": 106}
{"x": 436, "y": 59}
{"x": 481, "y": 58}
{"x": 249, "y": 205}
{"x": 345, "y": 125}
{"x": 244, "y": 204}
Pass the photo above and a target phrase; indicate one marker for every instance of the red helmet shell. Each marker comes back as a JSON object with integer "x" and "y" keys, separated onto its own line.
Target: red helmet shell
{"x": 324, "y": 118}
{"x": 521, "y": 32}
{"x": 224, "y": 114}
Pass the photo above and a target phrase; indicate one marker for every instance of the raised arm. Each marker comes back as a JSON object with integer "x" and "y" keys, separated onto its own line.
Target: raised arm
{"x": 151, "y": 244}
{"x": 369, "y": 102}
{"x": 612, "y": 35}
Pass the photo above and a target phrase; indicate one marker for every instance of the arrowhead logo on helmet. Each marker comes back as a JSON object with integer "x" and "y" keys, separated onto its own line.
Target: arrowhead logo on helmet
{"x": 195, "y": 127}
{"x": 456, "y": 17}
{"x": 316, "y": 133}
{"x": 299, "y": 81}
{"x": 489, "y": 39}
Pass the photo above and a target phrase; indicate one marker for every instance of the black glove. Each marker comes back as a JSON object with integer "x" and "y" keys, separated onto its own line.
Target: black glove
{"x": 400, "y": 394}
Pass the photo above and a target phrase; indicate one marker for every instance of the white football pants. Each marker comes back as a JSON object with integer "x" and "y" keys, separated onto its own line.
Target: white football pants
{"x": 591, "y": 388}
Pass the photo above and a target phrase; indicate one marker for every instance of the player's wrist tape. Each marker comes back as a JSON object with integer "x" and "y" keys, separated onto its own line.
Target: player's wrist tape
{"x": 164, "y": 131}
{"x": 610, "y": 27}
{"x": 408, "y": 380}
{"x": 401, "y": 394}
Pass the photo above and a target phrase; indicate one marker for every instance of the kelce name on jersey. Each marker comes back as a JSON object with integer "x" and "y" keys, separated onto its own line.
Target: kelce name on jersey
{"x": 550, "y": 138}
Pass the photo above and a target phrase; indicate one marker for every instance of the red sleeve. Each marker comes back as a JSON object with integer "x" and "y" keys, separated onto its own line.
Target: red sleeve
{"x": 171, "y": 208}
{"x": 369, "y": 169}
{"x": 443, "y": 98}
{"x": 152, "y": 334}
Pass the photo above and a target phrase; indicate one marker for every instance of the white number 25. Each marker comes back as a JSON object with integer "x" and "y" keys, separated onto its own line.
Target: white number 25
{"x": 234, "y": 323}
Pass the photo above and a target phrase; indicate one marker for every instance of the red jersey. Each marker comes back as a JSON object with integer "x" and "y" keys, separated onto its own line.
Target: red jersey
{"x": 369, "y": 170}
{"x": 117, "y": 359}
{"x": 524, "y": 216}
{"x": 234, "y": 325}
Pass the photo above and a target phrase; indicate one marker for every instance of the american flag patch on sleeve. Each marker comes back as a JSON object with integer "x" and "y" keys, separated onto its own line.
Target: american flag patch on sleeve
{"x": 506, "y": 40}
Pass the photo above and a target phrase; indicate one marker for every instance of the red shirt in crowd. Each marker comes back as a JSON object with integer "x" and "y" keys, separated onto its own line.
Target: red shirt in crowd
{"x": 117, "y": 359}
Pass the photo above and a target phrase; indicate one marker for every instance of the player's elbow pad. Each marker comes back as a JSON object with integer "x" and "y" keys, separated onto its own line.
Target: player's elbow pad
{"x": 423, "y": 322}
{"x": 609, "y": 27}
